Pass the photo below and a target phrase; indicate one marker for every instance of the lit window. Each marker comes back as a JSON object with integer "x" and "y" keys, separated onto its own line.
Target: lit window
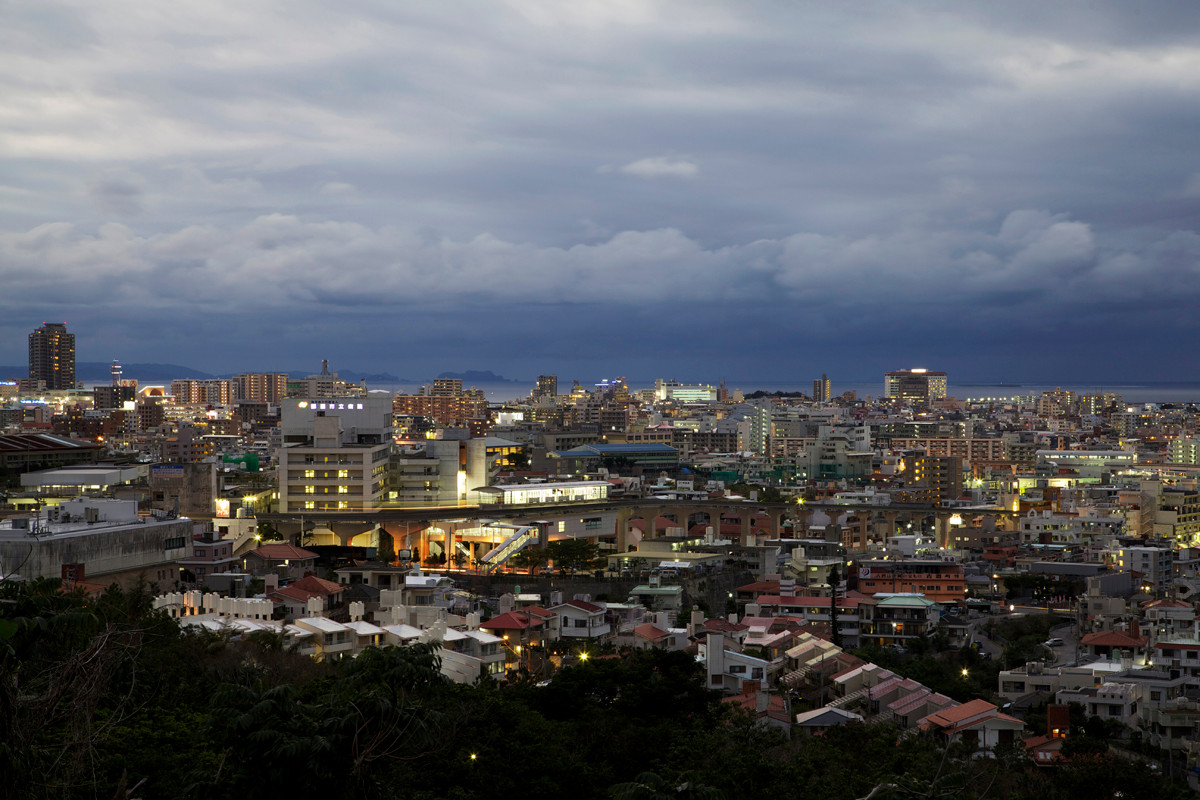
{"x": 310, "y": 473}
{"x": 343, "y": 490}
{"x": 309, "y": 504}
{"x": 310, "y": 489}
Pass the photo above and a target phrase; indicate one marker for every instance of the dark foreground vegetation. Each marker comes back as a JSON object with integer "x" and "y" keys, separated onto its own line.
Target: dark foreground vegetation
{"x": 105, "y": 698}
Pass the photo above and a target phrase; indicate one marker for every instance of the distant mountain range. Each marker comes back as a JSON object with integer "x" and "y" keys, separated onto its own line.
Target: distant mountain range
{"x": 476, "y": 377}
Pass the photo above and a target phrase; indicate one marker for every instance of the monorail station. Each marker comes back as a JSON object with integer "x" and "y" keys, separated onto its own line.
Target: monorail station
{"x": 520, "y": 494}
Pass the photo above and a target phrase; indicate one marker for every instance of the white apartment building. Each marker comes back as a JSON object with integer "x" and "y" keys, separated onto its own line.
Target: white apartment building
{"x": 334, "y": 455}
{"x": 1154, "y": 564}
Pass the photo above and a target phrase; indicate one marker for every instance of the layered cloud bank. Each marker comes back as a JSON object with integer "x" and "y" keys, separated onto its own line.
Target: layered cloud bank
{"x": 1022, "y": 176}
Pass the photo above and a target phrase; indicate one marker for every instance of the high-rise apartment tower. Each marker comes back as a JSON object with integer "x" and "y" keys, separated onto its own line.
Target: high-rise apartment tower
{"x": 547, "y": 386}
{"x": 52, "y": 356}
{"x": 822, "y": 389}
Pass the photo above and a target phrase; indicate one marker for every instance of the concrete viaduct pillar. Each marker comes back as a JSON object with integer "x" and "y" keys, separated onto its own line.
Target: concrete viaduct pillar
{"x": 803, "y": 516}
{"x": 774, "y": 524}
{"x": 405, "y": 533}
{"x": 681, "y": 517}
{"x": 623, "y": 517}
{"x": 346, "y": 531}
{"x": 942, "y": 527}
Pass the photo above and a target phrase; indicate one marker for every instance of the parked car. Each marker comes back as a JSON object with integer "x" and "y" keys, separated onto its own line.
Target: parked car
{"x": 1055, "y": 642}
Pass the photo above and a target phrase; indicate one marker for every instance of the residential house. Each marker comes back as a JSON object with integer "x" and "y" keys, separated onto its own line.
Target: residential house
{"x": 374, "y": 573}
{"x": 294, "y": 598}
{"x": 285, "y": 560}
{"x": 909, "y": 710}
{"x": 896, "y": 619}
{"x": 332, "y": 641}
{"x": 517, "y": 630}
{"x": 1035, "y": 677}
{"x": 819, "y": 720}
{"x": 581, "y": 620}
{"x": 770, "y": 710}
{"x": 402, "y": 634}
{"x": 770, "y": 636}
{"x": 977, "y": 722}
{"x": 366, "y": 634}
{"x": 1178, "y": 654}
{"x": 211, "y": 555}
{"x": 853, "y": 681}
{"x": 1118, "y": 701}
{"x": 1168, "y": 617}
{"x": 648, "y": 635}
{"x": 1045, "y": 750}
{"x": 728, "y": 669}
{"x": 807, "y": 654}
{"x": 878, "y": 697}
{"x": 700, "y": 627}
{"x": 427, "y": 590}
{"x": 815, "y": 611}
{"x": 1114, "y": 645}
{"x": 466, "y": 655}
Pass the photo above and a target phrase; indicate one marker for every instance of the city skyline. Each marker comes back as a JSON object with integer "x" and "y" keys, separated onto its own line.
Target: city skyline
{"x": 691, "y": 190}
{"x": 93, "y": 373}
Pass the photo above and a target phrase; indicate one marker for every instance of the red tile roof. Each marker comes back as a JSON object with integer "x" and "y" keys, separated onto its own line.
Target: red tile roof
{"x": 759, "y": 586}
{"x": 955, "y": 715}
{"x": 651, "y": 632}
{"x": 583, "y": 605}
{"x": 317, "y": 586}
{"x": 776, "y": 705}
{"x": 279, "y": 552}
{"x": 290, "y": 593}
{"x": 1166, "y": 603}
{"x": 719, "y": 625}
{"x": 511, "y": 621}
{"x": 971, "y": 723}
{"x": 1051, "y": 746}
{"x": 1112, "y": 639}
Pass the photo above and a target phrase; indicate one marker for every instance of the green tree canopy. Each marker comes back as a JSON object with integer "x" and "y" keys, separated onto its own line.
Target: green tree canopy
{"x": 575, "y": 555}
{"x": 530, "y": 558}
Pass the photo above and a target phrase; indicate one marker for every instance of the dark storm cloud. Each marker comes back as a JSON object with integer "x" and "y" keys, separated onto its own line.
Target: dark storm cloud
{"x": 747, "y": 187}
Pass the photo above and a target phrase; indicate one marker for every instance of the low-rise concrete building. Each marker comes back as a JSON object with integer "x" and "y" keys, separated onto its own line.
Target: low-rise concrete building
{"x": 95, "y": 541}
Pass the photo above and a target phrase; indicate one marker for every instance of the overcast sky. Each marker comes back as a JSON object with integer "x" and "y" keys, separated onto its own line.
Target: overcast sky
{"x": 755, "y": 191}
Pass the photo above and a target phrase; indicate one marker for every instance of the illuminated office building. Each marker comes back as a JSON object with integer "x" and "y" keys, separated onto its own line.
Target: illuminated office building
{"x": 919, "y": 387}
